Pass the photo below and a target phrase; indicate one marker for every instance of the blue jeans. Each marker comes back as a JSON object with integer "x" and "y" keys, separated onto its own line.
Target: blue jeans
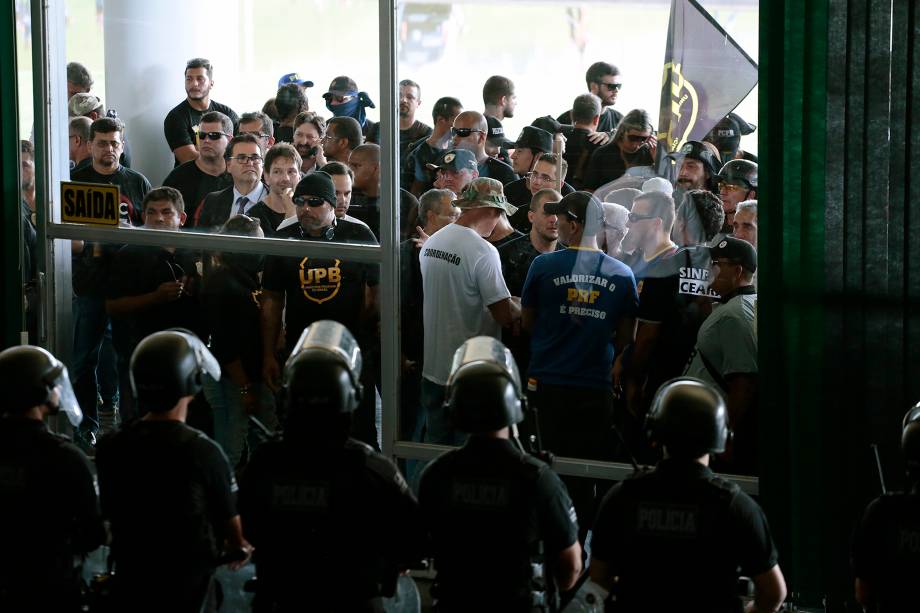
{"x": 231, "y": 423}
{"x": 94, "y": 369}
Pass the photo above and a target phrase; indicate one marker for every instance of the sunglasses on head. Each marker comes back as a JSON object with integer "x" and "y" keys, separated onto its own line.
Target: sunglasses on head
{"x": 211, "y": 135}
{"x": 311, "y": 201}
{"x": 463, "y": 132}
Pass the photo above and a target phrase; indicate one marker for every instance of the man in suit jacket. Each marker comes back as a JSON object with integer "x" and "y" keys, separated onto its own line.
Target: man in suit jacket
{"x": 244, "y": 163}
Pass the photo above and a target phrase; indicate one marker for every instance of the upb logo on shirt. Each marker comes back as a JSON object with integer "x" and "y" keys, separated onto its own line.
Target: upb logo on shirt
{"x": 320, "y": 283}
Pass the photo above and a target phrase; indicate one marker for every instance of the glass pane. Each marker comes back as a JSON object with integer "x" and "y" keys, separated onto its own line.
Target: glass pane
{"x": 488, "y": 100}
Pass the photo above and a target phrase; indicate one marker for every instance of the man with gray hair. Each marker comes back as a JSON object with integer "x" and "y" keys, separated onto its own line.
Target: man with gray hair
{"x": 745, "y": 223}
{"x": 586, "y": 113}
{"x": 81, "y": 154}
{"x": 461, "y": 278}
{"x": 615, "y": 218}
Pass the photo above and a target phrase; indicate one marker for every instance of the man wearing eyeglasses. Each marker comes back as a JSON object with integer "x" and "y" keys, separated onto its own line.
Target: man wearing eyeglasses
{"x": 544, "y": 175}
{"x": 244, "y": 163}
{"x": 182, "y": 122}
{"x": 579, "y": 305}
{"x": 259, "y": 125}
{"x": 726, "y": 346}
{"x": 737, "y": 183}
{"x": 470, "y": 132}
{"x": 310, "y": 289}
{"x": 603, "y": 81}
{"x": 207, "y": 173}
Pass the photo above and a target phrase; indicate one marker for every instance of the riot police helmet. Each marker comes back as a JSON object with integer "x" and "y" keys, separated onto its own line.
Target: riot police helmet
{"x": 29, "y": 376}
{"x": 910, "y": 442}
{"x": 168, "y": 366}
{"x": 484, "y": 387}
{"x": 739, "y": 172}
{"x": 322, "y": 377}
{"x": 689, "y": 418}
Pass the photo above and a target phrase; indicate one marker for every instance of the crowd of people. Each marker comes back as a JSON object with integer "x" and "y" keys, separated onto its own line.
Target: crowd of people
{"x": 607, "y": 266}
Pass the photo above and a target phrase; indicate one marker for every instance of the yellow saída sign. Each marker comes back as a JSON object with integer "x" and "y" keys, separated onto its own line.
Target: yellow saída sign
{"x": 89, "y": 203}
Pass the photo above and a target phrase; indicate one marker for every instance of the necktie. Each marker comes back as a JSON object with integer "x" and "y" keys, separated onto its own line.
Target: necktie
{"x": 241, "y": 202}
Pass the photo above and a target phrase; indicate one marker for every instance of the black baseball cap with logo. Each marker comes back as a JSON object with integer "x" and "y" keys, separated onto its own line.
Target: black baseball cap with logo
{"x": 533, "y": 138}
{"x": 735, "y": 250}
{"x": 582, "y": 207}
{"x": 454, "y": 159}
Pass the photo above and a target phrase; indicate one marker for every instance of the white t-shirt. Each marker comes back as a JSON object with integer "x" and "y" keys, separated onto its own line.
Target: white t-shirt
{"x": 461, "y": 277}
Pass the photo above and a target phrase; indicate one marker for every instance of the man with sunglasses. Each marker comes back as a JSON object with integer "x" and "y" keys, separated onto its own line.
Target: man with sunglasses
{"x": 344, "y": 99}
{"x": 737, "y": 183}
{"x": 579, "y": 305}
{"x": 207, "y": 173}
{"x": 633, "y": 144}
{"x": 603, "y": 81}
{"x": 244, "y": 163}
{"x": 309, "y": 289}
{"x": 726, "y": 347}
{"x": 470, "y": 132}
{"x": 182, "y": 122}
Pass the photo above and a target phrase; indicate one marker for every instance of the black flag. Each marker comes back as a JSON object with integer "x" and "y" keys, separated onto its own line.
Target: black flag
{"x": 706, "y": 75}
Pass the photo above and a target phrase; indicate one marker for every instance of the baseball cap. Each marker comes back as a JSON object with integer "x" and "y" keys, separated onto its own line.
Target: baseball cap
{"x": 533, "y": 138}
{"x": 454, "y": 159}
{"x": 704, "y": 152}
{"x": 485, "y": 192}
{"x": 319, "y": 184}
{"x": 496, "y": 133}
{"x": 657, "y": 184}
{"x": 736, "y": 250}
{"x": 342, "y": 86}
{"x": 582, "y": 207}
{"x": 551, "y": 125}
{"x": 293, "y": 77}
{"x": 83, "y": 103}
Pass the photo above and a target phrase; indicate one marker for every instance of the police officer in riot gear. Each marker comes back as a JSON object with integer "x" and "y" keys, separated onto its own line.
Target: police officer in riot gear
{"x": 494, "y": 513}
{"x": 674, "y": 538}
{"x": 48, "y": 504}
{"x": 886, "y": 551}
{"x": 333, "y": 521}
{"x": 167, "y": 489}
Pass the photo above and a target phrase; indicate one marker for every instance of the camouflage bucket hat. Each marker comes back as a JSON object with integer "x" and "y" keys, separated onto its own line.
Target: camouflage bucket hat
{"x": 485, "y": 192}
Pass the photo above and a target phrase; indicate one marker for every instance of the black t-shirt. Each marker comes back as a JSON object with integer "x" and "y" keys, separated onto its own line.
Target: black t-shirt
{"x": 230, "y": 300}
{"x": 168, "y": 491}
{"x": 182, "y": 121}
{"x": 283, "y": 134}
{"x": 367, "y": 209}
{"x": 49, "y": 508}
{"x": 886, "y": 551}
{"x": 578, "y": 151}
{"x": 132, "y": 185}
{"x": 268, "y": 218}
{"x": 486, "y": 507}
{"x": 498, "y": 170}
{"x": 136, "y": 270}
{"x": 674, "y": 293}
{"x": 605, "y": 165}
{"x": 513, "y": 236}
{"x": 417, "y": 161}
{"x": 411, "y": 302}
{"x": 321, "y": 289}
{"x": 311, "y": 512}
{"x": 608, "y": 121}
{"x": 681, "y": 527}
{"x": 194, "y": 184}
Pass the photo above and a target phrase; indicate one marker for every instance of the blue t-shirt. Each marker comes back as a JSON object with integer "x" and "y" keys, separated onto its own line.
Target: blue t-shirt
{"x": 579, "y": 296}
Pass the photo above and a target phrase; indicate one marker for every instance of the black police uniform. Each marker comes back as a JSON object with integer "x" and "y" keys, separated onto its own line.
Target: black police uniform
{"x": 886, "y": 550}
{"x": 332, "y": 527}
{"x": 676, "y": 537}
{"x": 168, "y": 491}
{"x": 50, "y": 513}
{"x": 487, "y": 507}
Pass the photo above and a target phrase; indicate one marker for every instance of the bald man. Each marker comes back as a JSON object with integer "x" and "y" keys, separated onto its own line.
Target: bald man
{"x": 470, "y": 132}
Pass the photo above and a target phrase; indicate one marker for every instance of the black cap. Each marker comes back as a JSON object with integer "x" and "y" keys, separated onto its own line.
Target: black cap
{"x": 496, "y": 133}
{"x": 582, "y": 207}
{"x": 318, "y": 184}
{"x": 342, "y": 86}
{"x": 695, "y": 150}
{"x": 551, "y": 125}
{"x": 534, "y": 138}
{"x": 736, "y": 250}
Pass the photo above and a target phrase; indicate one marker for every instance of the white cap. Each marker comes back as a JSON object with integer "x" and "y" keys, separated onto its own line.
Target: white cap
{"x": 657, "y": 184}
